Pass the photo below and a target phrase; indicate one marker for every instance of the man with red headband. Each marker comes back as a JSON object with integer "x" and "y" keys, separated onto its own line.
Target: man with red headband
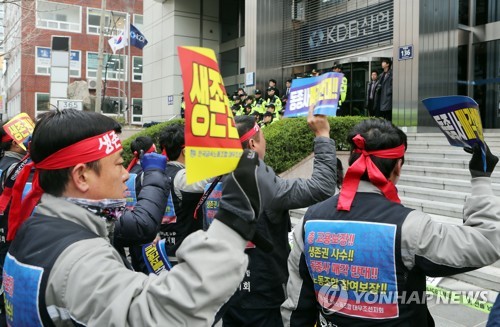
{"x": 257, "y": 301}
{"x": 61, "y": 269}
{"x": 11, "y": 154}
{"x": 360, "y": 258}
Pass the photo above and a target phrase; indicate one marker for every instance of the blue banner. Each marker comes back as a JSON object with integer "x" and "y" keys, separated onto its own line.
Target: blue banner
{"x": 323, "y": 92}
{"x": 137, "y": 39}
{"x": 130, "y": 193}
{"x": 211, "y": 205}
{"x": 356, "y": 259}
{"x": 458, "y": 118}
{"x": 21, "y": 287}
{"x": 155, "y": 257}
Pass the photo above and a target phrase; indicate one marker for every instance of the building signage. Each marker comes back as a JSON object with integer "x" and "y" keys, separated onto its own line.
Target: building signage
{"x": 69, "y": 104}
{"x": 170, "y": 100}
{"x": 43, "y": 58}
{"x": 250, "y": 79}
{"x": 347, "y": 31}
{"x": 406, "y": 52}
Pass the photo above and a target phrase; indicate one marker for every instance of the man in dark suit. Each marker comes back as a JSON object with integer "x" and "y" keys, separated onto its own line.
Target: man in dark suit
{"x": 371, "y": 103}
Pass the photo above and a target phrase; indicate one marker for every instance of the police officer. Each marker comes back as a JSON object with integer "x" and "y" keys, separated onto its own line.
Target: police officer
{"x": 273, "y": 98}
{"x": 259, "y": 104}
{"x": 343, "y": 91}
{"x": 361, "y": 258}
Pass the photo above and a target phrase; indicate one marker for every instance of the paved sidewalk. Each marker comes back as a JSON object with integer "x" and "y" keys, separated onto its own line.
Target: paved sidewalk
{"x": 456, "y": 315}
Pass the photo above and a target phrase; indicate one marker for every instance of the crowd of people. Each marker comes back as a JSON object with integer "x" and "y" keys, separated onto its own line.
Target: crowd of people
{"x": 63, "y": 255}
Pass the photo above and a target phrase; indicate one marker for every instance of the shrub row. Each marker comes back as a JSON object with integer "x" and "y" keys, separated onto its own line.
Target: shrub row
{"x": 288, "y": 140}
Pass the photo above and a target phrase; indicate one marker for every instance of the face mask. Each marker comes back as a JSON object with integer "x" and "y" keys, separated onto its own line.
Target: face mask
{"x": 108, "y": 209}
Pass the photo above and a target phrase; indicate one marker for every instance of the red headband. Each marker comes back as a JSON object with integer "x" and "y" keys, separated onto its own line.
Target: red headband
{"x": 6, "y": 138}
{"x": 365, "y": 163}
{"x": 254, "y": 130}
{"x": 136, "y": 157}
{"x": 87, "y": 150}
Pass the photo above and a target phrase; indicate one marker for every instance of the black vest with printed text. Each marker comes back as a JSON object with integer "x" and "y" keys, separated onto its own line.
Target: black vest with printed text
{"x": 357, "y": 251}
{"x": 184, "y": 223}
{"x": 38, "y": 244}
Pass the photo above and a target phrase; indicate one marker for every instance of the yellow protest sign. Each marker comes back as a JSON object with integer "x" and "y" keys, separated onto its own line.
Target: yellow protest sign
{"x": 212, "y": 143}
{"x": 20, "y": 128}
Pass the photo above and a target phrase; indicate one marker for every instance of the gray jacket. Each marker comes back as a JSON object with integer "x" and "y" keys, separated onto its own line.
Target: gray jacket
{"x": 441, "y": 249}
{"x": 90, "y": 283}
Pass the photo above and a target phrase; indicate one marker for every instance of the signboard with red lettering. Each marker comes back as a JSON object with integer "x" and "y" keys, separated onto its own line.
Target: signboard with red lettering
{"x": 353, "y": 267}
{"x": 19, "y": 128}
{"x": 212, "y": 144}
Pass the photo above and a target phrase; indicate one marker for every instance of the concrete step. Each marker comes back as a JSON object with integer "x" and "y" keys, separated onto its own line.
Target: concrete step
{"x": 439, "y": 183}
{"x": 433, "y": 195}
{"x": 443, "y": 172}
{"x": 438, "y": 153}
{"x": 452, "y": 210}
{"x": 436, "y": 162}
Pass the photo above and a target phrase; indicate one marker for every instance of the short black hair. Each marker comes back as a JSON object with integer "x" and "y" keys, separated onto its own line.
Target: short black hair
{"x": 374, "y": 71}
{"x": 56, "y": 130}
{"x": 272, "y": 80}
{"x": 379, "y": 134}
{"x": 387, "y": 61}
{"x": 289, "y": 80}
{"x": 143, "y": 143}
{"x": 172, "y": 140}
{"x": 243, "y": 125}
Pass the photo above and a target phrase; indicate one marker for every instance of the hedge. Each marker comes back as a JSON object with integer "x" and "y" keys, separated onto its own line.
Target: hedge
{"x": 288, "y": 140}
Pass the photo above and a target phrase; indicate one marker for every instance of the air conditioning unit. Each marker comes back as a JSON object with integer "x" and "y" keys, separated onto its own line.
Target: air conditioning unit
{"x": 92, "y": 84}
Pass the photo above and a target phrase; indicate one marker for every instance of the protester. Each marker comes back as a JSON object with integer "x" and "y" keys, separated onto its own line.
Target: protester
{"x": 179, "y": 220}
{"x": 11, "y": 154}
{"x": 62, "y": 270}
{"x": 361, "y": 258}
{"x": 257, "y": 301}
{"x": 141, "y": 143}
{"x": 494, "y": 318}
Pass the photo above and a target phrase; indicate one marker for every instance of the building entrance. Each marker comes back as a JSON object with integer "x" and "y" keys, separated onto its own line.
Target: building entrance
{"x": 358, "y": 75}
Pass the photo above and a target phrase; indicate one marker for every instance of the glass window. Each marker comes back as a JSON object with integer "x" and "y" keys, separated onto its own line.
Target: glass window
{"x": 113, "y": 105}
{"x": 487, "y": 11}
{"x": 139, "y": 21}
{"x": 463, "y": 12}
{"x": 42, "y": 101}
{"x": 114, "y": 22}
{"x": 137, "y": 111}
{"x": 42, "y": 62}
{"x": 114, "y": 66}
{"x": 463, "y": 60}
{"x": 137, "y": 72}
{"x": 229, "y": 62}
{"x": 58, "y": 16}
{"x": 229, "y": 19}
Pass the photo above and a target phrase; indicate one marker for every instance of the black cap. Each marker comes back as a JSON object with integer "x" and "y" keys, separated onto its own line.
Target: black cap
{"x": 270, "y": 88}
{"x": 335, "y": 66}
{"x": 257, "y": 91}
{"x": 235, "y": 97}
{"x": 255, "y": 113}
{"x": 271, "y": 105}
{"x": 267, "y": 113}
{"x": 248, "y": 105}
